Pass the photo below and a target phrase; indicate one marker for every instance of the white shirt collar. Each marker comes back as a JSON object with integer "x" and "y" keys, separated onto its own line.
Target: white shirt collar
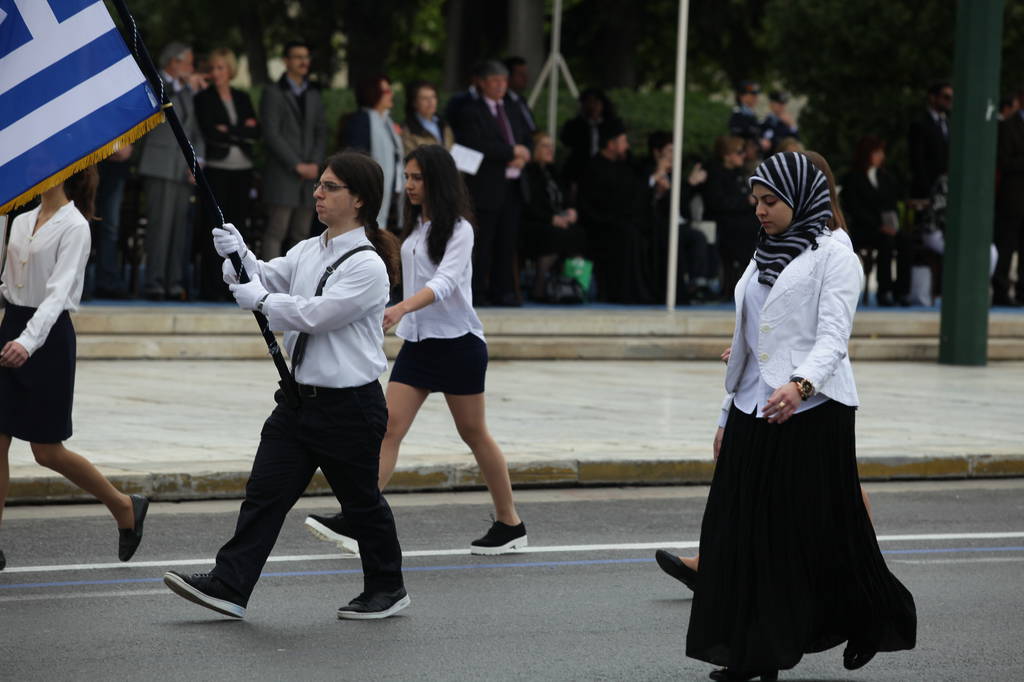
{"x": 343, "y": 242}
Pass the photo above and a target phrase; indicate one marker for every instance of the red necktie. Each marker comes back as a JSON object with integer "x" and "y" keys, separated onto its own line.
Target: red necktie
{"x": 506, "y": 129}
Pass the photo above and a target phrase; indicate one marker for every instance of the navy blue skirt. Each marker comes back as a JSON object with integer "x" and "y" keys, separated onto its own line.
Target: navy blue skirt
{"x": 456, "y": 366}
{"x": 35, "y": 399}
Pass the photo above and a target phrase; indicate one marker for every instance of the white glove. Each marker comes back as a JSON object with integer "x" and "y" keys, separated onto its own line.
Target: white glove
{"x": 249, "y": 294}
{"x": 228, "y": 240}
{"x": 227, "y": 269}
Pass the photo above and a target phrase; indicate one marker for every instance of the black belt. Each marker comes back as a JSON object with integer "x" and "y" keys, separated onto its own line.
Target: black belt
{"x": 308, "y": 391}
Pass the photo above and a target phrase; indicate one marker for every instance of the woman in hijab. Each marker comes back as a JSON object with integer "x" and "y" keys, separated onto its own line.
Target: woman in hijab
{"x": 789, "y": 562}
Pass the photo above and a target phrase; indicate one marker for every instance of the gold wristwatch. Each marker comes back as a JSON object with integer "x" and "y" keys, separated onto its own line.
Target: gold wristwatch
{"x": 805, "y": 387}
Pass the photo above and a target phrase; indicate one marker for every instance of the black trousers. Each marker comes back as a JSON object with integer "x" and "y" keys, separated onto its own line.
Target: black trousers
{"x": 495, "y": 251}
{"x": 231, "y": 187}
{"x": 1009, "y": 237}
{"x": 341, "y": 434}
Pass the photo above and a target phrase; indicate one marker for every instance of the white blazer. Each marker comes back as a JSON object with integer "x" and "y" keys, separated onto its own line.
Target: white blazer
{"x": 805, "y": 323}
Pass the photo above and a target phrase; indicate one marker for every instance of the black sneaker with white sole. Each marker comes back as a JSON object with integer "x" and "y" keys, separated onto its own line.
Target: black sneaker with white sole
{"x": 333, "y": 529}
{"x": 206, "y": 590}
{"x": 374, "y": 605}
{"x": 500, "y": 539}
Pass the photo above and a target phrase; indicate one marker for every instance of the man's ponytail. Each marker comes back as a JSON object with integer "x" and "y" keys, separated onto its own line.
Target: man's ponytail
{"x": 389, "y": 249}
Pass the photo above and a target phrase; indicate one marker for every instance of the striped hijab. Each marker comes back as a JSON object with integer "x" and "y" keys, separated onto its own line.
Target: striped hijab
{"x": 795, "y": 180}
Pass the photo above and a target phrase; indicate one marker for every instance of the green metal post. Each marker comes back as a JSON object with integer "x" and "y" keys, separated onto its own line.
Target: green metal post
{"x": 963, "y": 332}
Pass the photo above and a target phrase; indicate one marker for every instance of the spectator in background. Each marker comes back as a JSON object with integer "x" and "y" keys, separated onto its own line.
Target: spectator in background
{"x": 612, "y": 203}
{"x": 113, "y": 174}
{"x": 422, "y": 124}
{"x": 550, "y": 229}
{"x": 928, "y": 143}
{"x": 295, "y": 139}
{"x": 779, "y": 124}
{"x": 518, "y": 80}
{"x": 459, "y": 100}
{"x": 728, "y": 202}
{"x": 869, "y": 198}
{"x": 1009, "y": 233}
{"x": 743, "y": 122}
{"x": 696, "y": 263}
{"x": 169, "y": 182}
{"x": 228, "y": 122}
{"x": 493, "y": 126}
{"x": 581, "y": 135}
{"x": 371, "y": 129}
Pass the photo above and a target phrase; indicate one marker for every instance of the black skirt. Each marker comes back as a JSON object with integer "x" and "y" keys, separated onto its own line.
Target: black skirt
{"x": 789, "y": 563}
{"x": 36, "y": 398}
{"x": 456, "y": 366}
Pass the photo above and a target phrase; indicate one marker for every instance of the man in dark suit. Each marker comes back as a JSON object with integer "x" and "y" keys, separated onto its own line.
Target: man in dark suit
{"x": 518, "y": 80}
{"x": 295, "y": 139}
{"x": 168, "y": 181}
{"x": 492, "y": 125}
{"x": 1009, "y": 235}
{"x": 928, "y": 141}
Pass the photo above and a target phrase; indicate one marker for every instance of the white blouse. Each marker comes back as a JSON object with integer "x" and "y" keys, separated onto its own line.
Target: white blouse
{"x": 46, "y": 270}
{"x": 346, "y": 342}
{"x": 451, "y": 315}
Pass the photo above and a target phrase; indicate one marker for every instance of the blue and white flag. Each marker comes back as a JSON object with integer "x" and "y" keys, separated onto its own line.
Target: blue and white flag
{"x": 70, "y": 94}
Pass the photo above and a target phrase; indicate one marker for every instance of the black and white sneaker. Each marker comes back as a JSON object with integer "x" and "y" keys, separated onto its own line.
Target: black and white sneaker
{"x": 375, "y": 605}
{"x": 500, "y": 539}
{"x": 206, "y": 590}
{"x": 333, "y": 529}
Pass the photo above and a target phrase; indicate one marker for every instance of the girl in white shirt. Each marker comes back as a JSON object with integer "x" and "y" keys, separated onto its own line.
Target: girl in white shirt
{"x": 444, "y": 349}
{"x": 42, "y": 282}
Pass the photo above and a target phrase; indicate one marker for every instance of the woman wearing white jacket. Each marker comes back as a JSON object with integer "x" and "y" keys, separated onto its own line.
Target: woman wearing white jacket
{"x": 789, "y": 563}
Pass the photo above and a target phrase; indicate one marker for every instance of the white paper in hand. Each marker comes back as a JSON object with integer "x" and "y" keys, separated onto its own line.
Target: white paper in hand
{"x": 467, "y": 160}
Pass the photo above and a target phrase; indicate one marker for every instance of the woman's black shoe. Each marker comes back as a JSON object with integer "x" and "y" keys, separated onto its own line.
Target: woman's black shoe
{"x": 739, "y": 676}
{"x": 129, "y": 538}
{"x": 856, "y": 659}
{"x": 3, "y": 560}
{"x": 675, "y": 567}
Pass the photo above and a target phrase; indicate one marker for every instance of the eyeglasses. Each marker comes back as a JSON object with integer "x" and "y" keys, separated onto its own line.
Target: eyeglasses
{"x": 328, "y": 186}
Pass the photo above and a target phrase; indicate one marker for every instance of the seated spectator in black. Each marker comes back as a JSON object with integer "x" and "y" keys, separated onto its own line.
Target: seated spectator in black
{"x": 743, "y": 121}
{"x": 614, "y": 211}
{"x": 422, "y": 124}
{"x": 728, "y": 202}
{"x": 228, "y": 123}
{"x": 779, "y": 124}
{"x": 869, "y": 201}
{"x": 550, "y": 230}
{"x": 581, "y": 135}
{"x": 697, "y": 262}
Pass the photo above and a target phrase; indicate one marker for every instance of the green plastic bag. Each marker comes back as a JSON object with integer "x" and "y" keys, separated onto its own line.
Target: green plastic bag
{"x": 581, "y": 270}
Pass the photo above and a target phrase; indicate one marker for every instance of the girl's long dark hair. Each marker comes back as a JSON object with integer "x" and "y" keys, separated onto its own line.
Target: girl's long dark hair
{"x": 81, "y": 189}
{"x": 365, "y": 179}
{"x": 444, "y": 196}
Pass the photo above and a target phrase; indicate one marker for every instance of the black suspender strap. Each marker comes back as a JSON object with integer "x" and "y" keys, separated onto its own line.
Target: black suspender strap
{"x": 300, "y": 343}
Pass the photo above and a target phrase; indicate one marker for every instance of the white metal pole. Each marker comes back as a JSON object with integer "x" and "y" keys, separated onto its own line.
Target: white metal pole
{"x": 677, "y": 152}
{"x": 556, "y": 50}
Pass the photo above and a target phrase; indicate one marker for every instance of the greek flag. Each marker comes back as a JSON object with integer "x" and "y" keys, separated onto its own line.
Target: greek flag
{"x": 70, "y": 94}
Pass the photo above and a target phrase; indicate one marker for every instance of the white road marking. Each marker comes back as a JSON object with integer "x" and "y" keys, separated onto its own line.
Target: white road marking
{"x": 614, "y": 547}
{"x": 983, "y": 560}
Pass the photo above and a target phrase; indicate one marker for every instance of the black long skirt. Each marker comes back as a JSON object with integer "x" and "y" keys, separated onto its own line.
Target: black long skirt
{"x": 36, "y": 398}
{"x": 789, "y": 562}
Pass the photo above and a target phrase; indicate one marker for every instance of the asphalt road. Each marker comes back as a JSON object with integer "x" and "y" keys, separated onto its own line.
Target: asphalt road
{"x": 566, "y": 610}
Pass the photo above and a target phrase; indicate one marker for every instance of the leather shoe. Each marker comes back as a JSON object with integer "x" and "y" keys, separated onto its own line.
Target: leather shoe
{"x": 129, "y": 538}
{"x": 729, "y": 675}
{"x": 675, "y": 567}
{"x": 3, "y": 560}
{"x": 373, "y": 605}
{"x": 856, "y": 659}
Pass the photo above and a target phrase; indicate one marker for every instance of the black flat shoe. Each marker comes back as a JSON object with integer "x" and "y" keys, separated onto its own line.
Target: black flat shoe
{"x": 675, "y": 567}
{"x": 3, "y": 560}
{"x": 741, "y": 676}
{"x": 129, "y": 538}
{"x": 856, "y": 659}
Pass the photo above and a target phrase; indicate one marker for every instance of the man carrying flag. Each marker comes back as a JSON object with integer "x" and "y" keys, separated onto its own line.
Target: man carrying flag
{"x": 70, "y": 94}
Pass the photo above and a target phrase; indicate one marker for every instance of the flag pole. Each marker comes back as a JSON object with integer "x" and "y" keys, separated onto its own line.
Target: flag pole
{"x": 148, "y": 67}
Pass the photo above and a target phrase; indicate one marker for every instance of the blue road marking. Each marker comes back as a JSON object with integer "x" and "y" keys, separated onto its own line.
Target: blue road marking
{"x": 467, "y": 567}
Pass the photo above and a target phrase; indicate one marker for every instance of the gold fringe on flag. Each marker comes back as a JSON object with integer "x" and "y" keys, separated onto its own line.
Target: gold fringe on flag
{"x": 94, "y": 157}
